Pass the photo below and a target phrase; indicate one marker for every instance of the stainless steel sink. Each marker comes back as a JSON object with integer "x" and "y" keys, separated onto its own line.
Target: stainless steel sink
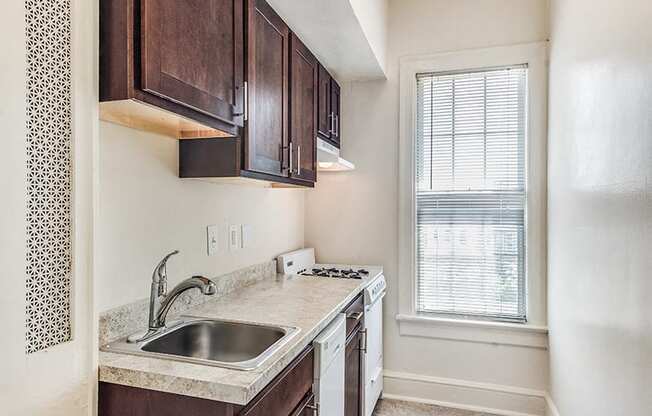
{"x": 213, "y": 342}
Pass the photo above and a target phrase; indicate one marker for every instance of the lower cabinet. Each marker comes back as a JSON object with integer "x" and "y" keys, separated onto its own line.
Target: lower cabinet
{"x": 353, "y": 383}
{"x": 285, "y": 396}
{"x": 286, "y": 392}
{"x": 118, "y": 400}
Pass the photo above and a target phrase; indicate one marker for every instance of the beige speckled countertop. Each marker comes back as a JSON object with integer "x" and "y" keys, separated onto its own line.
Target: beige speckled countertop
{"x": 308, "y": 303}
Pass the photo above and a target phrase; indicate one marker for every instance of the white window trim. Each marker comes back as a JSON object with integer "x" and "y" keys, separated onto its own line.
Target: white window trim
{"x": 534, "y": 332}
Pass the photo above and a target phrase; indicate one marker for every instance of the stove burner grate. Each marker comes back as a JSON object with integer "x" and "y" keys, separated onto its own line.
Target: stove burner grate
{"x": 336, "y": 273}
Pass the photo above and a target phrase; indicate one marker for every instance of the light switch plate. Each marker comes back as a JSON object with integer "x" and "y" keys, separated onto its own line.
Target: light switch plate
{"x": 212, "y": 244}
{"x": 234, "y": 237}
{"x": 247, "y": 235}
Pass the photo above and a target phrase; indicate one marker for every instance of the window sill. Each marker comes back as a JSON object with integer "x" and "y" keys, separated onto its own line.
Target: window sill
{"x": 497, "y": 333}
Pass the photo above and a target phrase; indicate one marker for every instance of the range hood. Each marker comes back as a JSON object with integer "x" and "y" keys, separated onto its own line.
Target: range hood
{"x": 329, "y": 160}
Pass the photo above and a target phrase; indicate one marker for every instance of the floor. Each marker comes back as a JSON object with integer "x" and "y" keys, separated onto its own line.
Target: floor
{"x": 397, "y": 408}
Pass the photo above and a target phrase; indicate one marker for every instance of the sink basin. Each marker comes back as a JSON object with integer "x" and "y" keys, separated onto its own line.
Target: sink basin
{"x": 219, "y": 343}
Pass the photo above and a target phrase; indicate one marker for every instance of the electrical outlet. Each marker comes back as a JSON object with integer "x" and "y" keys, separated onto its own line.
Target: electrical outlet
{"x": 212, "y": 239}
{"x": 234, "y": 237}
{"x": 246, "y": 235}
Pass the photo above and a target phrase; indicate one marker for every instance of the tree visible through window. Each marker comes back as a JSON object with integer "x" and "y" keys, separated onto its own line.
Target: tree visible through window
{"x": 470, "y": 193}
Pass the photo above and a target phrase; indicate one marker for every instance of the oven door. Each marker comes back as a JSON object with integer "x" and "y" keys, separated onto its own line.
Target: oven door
{"x": 373, "y": 355}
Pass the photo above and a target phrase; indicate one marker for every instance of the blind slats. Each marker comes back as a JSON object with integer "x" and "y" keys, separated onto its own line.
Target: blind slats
{"x": 470, "y": 199}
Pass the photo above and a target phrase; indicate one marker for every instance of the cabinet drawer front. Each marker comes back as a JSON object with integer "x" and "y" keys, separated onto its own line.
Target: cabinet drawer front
{"x": 286, "y": 391}
{"x": 192, "y": 53}
{"x": 354, "y": 314}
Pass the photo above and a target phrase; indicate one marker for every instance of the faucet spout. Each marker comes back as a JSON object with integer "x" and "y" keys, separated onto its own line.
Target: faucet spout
{"x": 206, "y": 286}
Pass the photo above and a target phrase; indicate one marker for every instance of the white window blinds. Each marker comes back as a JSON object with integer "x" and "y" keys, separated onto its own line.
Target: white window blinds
{"x": 470, "y": 193}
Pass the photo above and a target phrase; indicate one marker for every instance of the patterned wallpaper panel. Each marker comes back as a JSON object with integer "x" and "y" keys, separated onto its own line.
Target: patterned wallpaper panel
{"x": 48, "y": 173}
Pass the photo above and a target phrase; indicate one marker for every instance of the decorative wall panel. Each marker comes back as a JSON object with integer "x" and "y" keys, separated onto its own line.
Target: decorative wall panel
{"x": 48, "y": 173}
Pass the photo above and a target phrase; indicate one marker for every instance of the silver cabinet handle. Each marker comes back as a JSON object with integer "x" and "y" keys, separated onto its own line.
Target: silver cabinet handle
{"x": 282, "y": 150}
{"x": 364, "y": 333}
{"x": 246, "y": 100}
{"x": 315, "y": 409}
{"x": 291, "y": 158}
{"x": 337, "y": 126}
{"x": 355, "y": 315}
{"x": 245, "y": 105}
{"x": 298, "y": 159}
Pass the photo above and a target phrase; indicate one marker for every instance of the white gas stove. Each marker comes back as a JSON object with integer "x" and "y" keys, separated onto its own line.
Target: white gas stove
{"x": 302, "y": 263}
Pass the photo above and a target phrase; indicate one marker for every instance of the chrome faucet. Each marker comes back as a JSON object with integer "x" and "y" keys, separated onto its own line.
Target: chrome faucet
{"x": 160, "y": 301}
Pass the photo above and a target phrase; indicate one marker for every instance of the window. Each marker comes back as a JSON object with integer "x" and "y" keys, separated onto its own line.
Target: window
{"x": 470, "y": 193}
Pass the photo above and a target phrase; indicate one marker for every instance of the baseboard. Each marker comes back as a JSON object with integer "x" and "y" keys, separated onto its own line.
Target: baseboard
{"x": 551, "y": 407}
{"x": 462, "y": 394}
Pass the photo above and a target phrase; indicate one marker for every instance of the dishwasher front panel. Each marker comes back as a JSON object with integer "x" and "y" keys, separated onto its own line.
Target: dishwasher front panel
{"x": 329, "y": 368}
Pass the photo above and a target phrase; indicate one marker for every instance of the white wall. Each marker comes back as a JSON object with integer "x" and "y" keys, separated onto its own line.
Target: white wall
{"x": 146, "y": 211}
{"x": 372, "y": 15}
{"x": 600, "y": 207}
{"x": 57, "y": 381}
{"x": 353, "y": 217}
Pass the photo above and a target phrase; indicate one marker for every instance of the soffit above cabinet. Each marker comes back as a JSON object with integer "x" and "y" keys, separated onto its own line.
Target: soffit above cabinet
{"x": 347, "y": 36}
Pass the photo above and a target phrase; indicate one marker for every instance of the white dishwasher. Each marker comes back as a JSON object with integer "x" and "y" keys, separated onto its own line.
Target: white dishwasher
{"x": 328, "y": 383}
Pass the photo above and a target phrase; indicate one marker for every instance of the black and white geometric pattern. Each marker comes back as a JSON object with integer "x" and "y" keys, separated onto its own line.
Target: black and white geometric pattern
{"x": 49, "y": 130}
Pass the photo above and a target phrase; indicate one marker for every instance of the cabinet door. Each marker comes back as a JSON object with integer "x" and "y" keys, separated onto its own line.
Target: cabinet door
{"x": 353, "y": 375}
{"x": 192, "y": 53}
{"x": 324, "y": 116}
{"x": 285, "y": 393}
{"x": 303, "y": 110}
{"x": 335, "y": 110}
{"x": 267, "y": 87}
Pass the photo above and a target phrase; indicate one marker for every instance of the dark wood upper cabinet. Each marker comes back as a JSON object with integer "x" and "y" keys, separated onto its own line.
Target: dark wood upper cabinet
{"x": 227, "y": 76}
{"x": 303, "y": 111}
{"x": 266, "y": 132}
{"x": 325, "y": 123}
{"x": 173, "y": 67}
{"x": 192, "y": 54}
{"x": 328, "y": 112}
{"x": 277, "y": 141}
{"x": 335, "y": 113}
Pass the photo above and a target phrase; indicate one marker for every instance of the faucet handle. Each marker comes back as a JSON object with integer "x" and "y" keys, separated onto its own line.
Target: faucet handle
{"x": 160, "y": 274}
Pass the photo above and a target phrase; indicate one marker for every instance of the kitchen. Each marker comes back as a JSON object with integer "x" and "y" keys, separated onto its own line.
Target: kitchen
{"x": 277, "y": 207}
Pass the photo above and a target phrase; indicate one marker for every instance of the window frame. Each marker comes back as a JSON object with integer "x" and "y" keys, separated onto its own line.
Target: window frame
{"x": 413, "y": 323}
